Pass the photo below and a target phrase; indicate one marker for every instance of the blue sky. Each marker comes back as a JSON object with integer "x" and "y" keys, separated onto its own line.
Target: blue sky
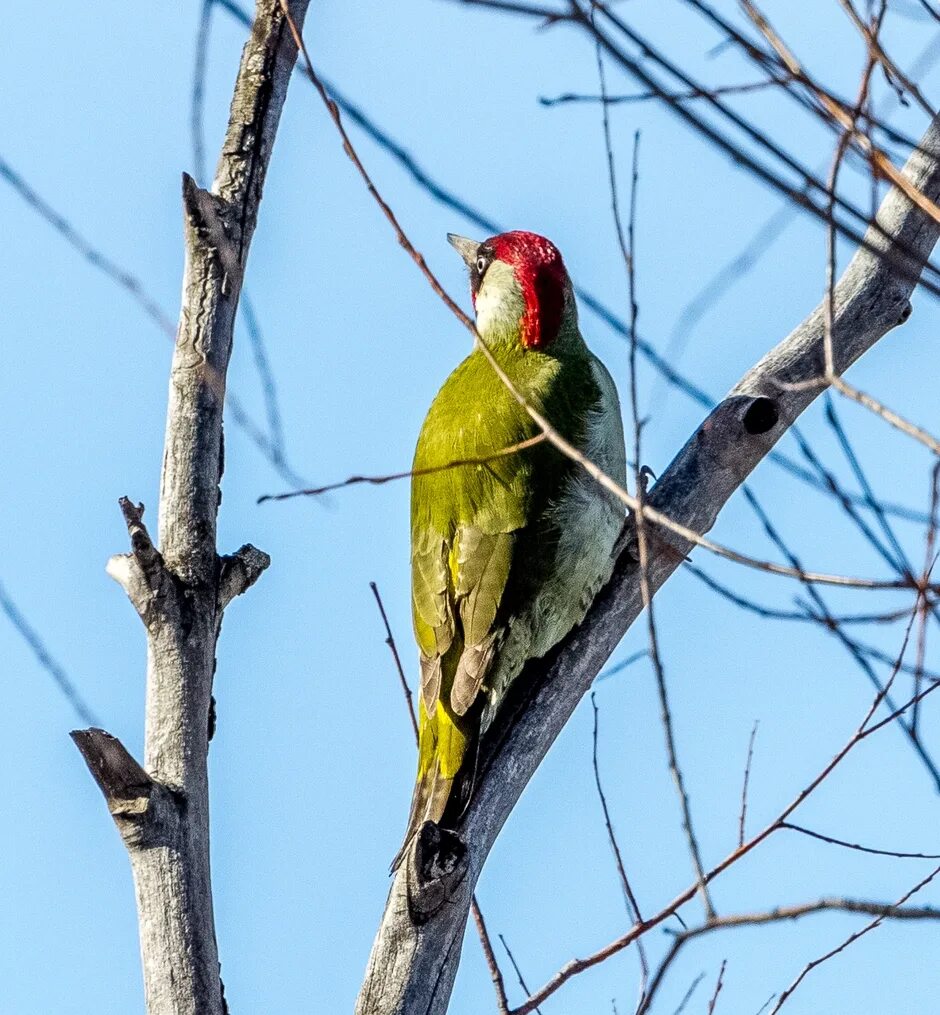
{"x": 313, "y": 761}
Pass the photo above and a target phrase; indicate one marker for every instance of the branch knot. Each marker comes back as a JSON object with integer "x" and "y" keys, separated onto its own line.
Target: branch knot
{"x": 239, "y": 571}
{"x": 437, "y": 864}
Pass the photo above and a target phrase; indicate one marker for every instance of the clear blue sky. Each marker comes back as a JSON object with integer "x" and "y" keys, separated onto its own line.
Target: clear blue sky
{"x": 313, "y": 761}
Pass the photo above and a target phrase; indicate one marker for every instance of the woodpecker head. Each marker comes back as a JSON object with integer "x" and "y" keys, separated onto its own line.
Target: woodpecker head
{"x": 520, "y": 288}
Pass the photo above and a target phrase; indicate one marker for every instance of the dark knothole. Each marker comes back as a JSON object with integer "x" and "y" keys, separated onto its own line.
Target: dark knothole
{"x": 761, "y": 415}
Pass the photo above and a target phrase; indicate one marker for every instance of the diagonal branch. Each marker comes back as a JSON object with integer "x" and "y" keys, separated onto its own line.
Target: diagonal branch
{"x": 413, "y": 963}
{"x": 448, "y": 199}
{"x": 782, "y": 914}
{"x": 852, "y": 938}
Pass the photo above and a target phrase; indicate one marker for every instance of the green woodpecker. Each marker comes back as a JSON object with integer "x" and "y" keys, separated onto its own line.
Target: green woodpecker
{"x": 507, "y": 552}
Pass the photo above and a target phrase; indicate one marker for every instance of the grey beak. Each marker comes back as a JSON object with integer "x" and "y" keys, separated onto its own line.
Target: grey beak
{"x": 465, "y": 247}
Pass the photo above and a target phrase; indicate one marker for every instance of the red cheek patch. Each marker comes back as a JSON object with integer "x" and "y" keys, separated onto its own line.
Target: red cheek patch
{"x": 544, "y": 302}
{"x": 541, "y": 275}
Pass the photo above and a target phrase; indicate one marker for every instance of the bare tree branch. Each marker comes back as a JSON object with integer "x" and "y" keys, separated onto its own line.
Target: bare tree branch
{"x": 502, "y": 1004}
{"x": 714, "y": 998}
{"x": 416, "y": 951}
{"x": 742, "y": 817}
{"x": 852, "y": 938}
{"x": 162, "y": 808}
{"x": 783, "y": 914}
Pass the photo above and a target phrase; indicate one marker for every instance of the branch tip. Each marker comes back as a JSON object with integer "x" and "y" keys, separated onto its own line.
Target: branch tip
{"x": 141, "y": 572}
{"x": 146, "y": 554}
{"x": 190, "y": 191}
{"x": 239, "y": 571}
{"x": 119, "y": 777}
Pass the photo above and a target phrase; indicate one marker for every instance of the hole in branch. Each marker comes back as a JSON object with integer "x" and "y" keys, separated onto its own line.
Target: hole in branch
{"x": 761, "y": 415}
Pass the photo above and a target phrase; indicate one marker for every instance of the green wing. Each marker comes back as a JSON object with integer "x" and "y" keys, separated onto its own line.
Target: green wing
{"x": 478, "y": 532}
{"x": 464, "y": 526}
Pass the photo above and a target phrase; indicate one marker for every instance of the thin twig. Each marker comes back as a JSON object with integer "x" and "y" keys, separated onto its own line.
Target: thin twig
{"x": 718, "y": 986}
{"x": 690, "y": 93}
{"x": 197, "y": 103}
{"x": 803, "y": 615}
{"x": 259, "y": 355}
{"x": 624, "y": 664}
{"x": 832, "y": 840}
{"x": 891, "y": 417}
{"x": 687, "y": 996}
{"x": 518, "y": 971}
{"x": 117, "y": 274}
{"x": 457, "y": 463}
{"x": 61, "y": 679}
{"x": 393, "y": 648}
{"x": 877, "y": 53}
{"x": 742, "y": 817}
{"x": 878, "y": 920}
{"x": 930, "y": 556}
{"x": 659, "y": 975}
{"x": 633, "y": 907}
{"x": 873, "y": 502}
{"x": 502, "y": 1002}
{"x": 887, "y": 553}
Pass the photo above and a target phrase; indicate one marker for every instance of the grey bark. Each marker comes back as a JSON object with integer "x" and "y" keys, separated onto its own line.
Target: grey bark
{"x": 161, "y": 809}
{"x": 416, "y": 952}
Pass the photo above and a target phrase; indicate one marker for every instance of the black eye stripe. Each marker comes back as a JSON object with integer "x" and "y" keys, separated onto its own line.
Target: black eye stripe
{"x": 482, "y": 261}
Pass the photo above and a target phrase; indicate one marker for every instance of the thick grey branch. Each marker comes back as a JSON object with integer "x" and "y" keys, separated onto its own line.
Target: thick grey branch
{"x": 180, "y": 590}
{"x": 413, "y": 963}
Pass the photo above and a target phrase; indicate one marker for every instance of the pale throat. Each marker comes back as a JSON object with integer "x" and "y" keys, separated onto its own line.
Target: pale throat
{"x": 499, "y": 303}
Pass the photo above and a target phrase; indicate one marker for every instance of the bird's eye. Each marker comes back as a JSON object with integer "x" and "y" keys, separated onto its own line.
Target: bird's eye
{"x": 482, "y": 264}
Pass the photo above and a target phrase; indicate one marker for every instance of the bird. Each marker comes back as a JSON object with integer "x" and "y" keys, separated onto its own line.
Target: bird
{"x": 510, "y": 538}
